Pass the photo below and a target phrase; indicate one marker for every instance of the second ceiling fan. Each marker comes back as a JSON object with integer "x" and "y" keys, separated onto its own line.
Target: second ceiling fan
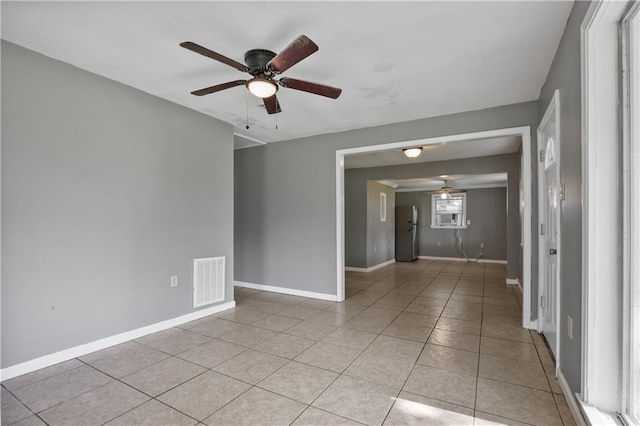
{"x": 263, "y": 66}
{"x": 446, "y": 191}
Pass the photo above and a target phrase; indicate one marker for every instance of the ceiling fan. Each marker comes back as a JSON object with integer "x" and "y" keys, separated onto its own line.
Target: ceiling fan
{"x": 263, "y": 66}
{"x": 446, "y": 191}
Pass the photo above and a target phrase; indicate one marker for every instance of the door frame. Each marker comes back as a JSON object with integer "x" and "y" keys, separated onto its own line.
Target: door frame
{"x": 602, "y": 340}
{"x": 525, "y": 200}
{"x": 552, "y": 109}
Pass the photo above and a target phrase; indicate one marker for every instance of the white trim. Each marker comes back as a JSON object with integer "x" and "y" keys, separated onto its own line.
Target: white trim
{"x": 462, "y": 259}
{"x": 594, "y": 416}
{"x": 627, "y": 419}
{"x": 257, "y": 141}
{"x": 629, "y": 38}
{"x": 519, "y": 287}
{"x": 340, "y": 226}
{"x": 370, "y": 268}
{"x": 571, "y": 399}
{"x": 284, "y": 290}
{"x": 601, "y": 344}
{"x": 383, "y": 207}
{"x": 553, "y": 109}
{"x": 449, "y": 227}
{"x": 96, "y": 345}
{"x": 435, "y": 197}
{"x": 523, "y": 131}
{"x": 526, "y": 225}
{"x": 512, "y": 131}
{"x": 466, "y": 187}
{"x": 513, "y": 281}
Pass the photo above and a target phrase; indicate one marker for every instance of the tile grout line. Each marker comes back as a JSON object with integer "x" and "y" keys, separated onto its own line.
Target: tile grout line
{"x": 442, "y": 273}
{"x": 351, "y": 363}
{"x": 288, "y": 361}
{"x": 414, "y": 363}
{"x": 475, "y": 399}
{"x": 251, "y": 385}
{"x": 555, "y": 402}
{"x": 22, "y": 403}
{"x": 44, "y": 378}
{"x": 362, "y": 352}
{"x": 142, "y": 392}
{"x": 336, "y": 378}
{"x": 421, "y": 350}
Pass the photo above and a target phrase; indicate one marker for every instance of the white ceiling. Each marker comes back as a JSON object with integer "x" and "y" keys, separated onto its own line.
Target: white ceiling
{"x": 395, "y": 61}
{"x": 488, "y": 180}
{"x": 437, "y": 152}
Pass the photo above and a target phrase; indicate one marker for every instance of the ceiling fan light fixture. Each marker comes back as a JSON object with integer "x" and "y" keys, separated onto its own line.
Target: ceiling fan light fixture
{"x": 444, "y": 191}
{"x": 262, "y": 87}
{"x": 412, "y": 152}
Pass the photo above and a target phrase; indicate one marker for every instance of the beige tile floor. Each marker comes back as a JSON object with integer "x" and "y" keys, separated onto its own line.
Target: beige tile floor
{"x": 422, "y": 343}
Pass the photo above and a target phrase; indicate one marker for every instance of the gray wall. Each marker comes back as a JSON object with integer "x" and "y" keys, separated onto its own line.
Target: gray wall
{"x": 106, "y": 193}
{"x": 381, "y": 236}
{"x": 487, "y": 210}
{"x": 288, "y": 189}
{"x": 565, "y": 76}
{"x": 355, "y": 241}
{"x": 355, "y": 195}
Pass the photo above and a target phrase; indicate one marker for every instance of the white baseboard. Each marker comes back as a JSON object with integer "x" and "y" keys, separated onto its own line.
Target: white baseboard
{"x": 526, "y": 323}
{"x": 513, "y": 281}
{"x": 461, "y": 259}
{"x": 530, "y": 325}
{"x": 517, "y": 284}
{"x": 80, "y": 350}
{"x": 284, "y": 290}
{"x": 371, "y": 268}
{"x": 571, "y": 399}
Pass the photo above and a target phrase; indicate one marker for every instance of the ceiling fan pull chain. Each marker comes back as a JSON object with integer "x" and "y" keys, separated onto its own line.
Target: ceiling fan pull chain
{"x": 276, "y": 121}
{"x": 247, "y": 98}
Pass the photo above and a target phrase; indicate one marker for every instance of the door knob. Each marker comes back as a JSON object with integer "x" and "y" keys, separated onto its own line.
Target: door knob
{"x": 553, "y": 251}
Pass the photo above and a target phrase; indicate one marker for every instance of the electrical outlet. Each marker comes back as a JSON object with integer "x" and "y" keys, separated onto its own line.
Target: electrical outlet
{"x": 481, "y": 245}
{"x": 174, "y": 281}
{"x": 375, "y": 249}
{"x": 570, "y": 327}
{"x": 438, "y": 244}
{"x": 468, "y": 222}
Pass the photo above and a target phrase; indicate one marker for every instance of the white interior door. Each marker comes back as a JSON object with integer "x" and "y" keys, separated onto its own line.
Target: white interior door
{"x": 549, "y": 198}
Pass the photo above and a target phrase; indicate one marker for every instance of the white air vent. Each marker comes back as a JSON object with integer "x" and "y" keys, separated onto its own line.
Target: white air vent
{"x": 208, "y": 281}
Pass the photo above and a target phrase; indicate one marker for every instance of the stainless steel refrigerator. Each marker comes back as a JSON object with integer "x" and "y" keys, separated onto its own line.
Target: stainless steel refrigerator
{"x": 406, "y": 233}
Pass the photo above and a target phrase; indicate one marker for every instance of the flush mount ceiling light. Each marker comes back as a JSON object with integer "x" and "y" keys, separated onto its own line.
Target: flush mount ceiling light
{"x": 262, "y": 87}
{"x": 412, "y": 152}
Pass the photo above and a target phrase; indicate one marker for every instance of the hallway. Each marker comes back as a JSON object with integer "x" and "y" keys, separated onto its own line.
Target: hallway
{"x": 426, "y": 343}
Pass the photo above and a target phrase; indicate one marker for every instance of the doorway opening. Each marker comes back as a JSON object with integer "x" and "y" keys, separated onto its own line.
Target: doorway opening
{"x": 525, "y": 197}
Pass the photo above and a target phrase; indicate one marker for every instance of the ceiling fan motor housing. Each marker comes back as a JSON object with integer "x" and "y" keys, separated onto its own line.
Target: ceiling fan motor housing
{"x": 257, "y": 60}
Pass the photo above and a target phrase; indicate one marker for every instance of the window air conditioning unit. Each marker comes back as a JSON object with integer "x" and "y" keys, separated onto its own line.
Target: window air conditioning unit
{"x": 448, "y": 219}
